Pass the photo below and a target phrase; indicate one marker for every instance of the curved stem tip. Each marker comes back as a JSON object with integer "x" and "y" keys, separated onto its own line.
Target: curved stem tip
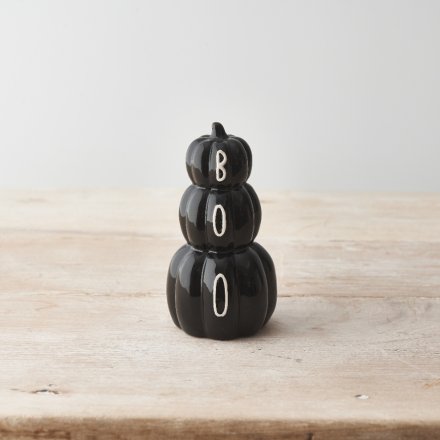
{"x": 218, "y": 130}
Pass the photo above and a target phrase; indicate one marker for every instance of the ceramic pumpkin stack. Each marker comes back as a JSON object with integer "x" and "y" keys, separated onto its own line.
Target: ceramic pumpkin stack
{"x": 221, "y": 285}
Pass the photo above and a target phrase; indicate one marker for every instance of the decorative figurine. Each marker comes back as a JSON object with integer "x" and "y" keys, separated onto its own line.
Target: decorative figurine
{"x": 221, "y": 285}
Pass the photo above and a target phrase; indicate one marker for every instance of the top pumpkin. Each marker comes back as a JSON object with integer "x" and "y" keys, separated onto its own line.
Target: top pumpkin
{"x": 218, "y": 160}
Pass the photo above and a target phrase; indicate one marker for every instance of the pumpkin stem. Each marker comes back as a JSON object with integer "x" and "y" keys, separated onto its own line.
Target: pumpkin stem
{"x": 218, "y": 130}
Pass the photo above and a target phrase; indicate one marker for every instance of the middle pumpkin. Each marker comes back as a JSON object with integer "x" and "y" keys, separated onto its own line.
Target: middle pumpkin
{"x": 214, "y": 219}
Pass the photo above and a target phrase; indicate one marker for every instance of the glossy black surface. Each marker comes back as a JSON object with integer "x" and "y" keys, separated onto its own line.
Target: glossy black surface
{"x": 221, "y": 285}
{"x": 201, "y": 159}
{"x": 242, "y": 217}
{"x": 252, "y": 291}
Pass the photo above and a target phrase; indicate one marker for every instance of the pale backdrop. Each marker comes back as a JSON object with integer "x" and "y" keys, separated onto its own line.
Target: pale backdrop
{"x": 331, "y": 95}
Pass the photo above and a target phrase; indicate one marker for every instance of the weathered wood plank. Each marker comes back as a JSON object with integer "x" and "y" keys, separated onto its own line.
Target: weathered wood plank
{"x": 66, "y": 354}
{"x": 198, "y": 429}
{"x": 299, "y": 216}
{"x": 87, "y": 349}
{"x": 112, "y": 264}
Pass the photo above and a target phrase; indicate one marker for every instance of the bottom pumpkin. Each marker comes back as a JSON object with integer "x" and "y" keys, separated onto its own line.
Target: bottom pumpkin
{"x": 221, "y": 295}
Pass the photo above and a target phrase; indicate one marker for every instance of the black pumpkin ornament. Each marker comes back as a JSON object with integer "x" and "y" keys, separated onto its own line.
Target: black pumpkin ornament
{"x": 219, "y": 220}
{"x": 221, "y": 285}
{"x": 218, "y": 160}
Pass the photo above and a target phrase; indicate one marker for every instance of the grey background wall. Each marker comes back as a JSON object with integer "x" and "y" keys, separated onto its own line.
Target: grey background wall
{"x": 331, "y": 95}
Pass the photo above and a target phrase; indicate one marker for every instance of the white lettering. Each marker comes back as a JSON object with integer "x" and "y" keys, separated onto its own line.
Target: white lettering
{"x": 223, "y": 220}
{"x": 220, "y": 165}
{"x": 214, "y": 299}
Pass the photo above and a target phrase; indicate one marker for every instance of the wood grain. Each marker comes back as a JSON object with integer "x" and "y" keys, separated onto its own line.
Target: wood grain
{"x": 87, "y": 348}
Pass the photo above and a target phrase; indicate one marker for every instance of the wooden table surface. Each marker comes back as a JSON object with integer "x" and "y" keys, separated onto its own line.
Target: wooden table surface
{"x": 88, "y": 349}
